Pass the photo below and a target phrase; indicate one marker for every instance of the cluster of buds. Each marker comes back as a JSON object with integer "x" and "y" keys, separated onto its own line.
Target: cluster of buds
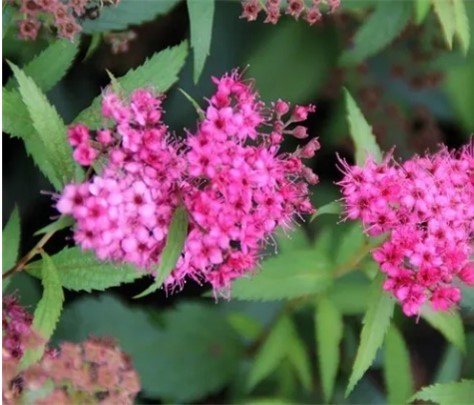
{"x": 235, "y": 184}
{"x": 425, "y": 207}
{"x": 120, "y": 41}
{"x": 312, "y": 12}
{"x": 95, "y": 371}
{"x": 61, "y": 15}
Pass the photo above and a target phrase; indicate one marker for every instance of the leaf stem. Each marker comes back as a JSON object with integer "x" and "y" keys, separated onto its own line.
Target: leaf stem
{"x": 37, "y": 249}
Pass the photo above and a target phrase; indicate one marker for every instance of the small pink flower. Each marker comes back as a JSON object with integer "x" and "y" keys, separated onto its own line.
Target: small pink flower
{"x": 85, "y": 154}
{"x": 29, "y": 28}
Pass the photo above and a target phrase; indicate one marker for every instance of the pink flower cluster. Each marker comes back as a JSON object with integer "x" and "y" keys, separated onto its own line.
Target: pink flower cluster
{"x": 425, "y": 206}
{"x": 96, "y": 371}
{"x": 230, "y": 176}
{"x": 311, "y": 11}
{"x": 62, "y": 15}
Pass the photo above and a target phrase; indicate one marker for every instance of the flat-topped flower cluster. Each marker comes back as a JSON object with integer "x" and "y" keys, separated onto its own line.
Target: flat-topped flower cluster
{"x": 230, "y": 175}
{"x": 95, "y": 371}
{"x": 425, "y": 206}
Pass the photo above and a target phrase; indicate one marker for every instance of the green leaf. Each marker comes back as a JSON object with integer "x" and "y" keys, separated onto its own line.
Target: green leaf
{"x": 7, "y": 18}
{"x": 378, "y": 31}
{"x": 45, "y": 73}
{"x": 334, "y": 207}
{"x": 272, "y": 352}
{"x": 289, "y": 275}
{"x": 47, "y": 312}
{"x": 160, "y": 71}
{"x": 329, "y": 331}
{"x": 422, "y": 8}
{"x": 194, "y": 103}
{"x": 350, "y": 296}
{"x": 11, "y": 241}
{"x": 82, "y": 271}
{"x": 49, "y": 126}
{"x": 127, "y": 12}
{"x": 397, "y": 370}
{"x": 444, "y": 9}
{"x": 450, "y": 365}
{"x": 462, "y": 25}
{"x": 191, "y": 353}
{"x": 447, "y": 394}
{"x": 462, "y": 77}
{"x": 361, "y": 132}
{"x": 61, "y": 223}
{"x": 96, "y": 39}
{"x": 245, "y": 325}
{"x": 299, "y": 359}
{"x": 449, "y": 324}
{"x": 178, "y": 231}
{"x": 350, "y": 244}
{"x": 308, "y": 55}
{"x": 201, "y": 15}
{"x": 375, "y": 324}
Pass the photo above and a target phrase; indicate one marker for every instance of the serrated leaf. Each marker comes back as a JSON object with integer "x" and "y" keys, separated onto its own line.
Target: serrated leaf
{"x": 49, "y": 127}
{"x": 61, "y": 223}
{"x": 379, "y": 30}
{"x": 82, "y": 271}
{"x": 450, "y": 366}
{"x": 41, "y": 69}
{"x": 192, "y": 348}
{"x": 351, "y": 242}
{"x": 47, "y": 312}
{"x": 177, "y": 233}
{"x": 397, "y": 370}
{"x": 449, "y": 324}
{"x": 334, "y": 207}
{"x": 11, "y": 241}
{"x": 288, "y": 275}
{"x": 299, "y": 359}
{"x": 201, "y": 16}
{"x": 375, "y": 324}
{"x": 329, "y": 332}
{"x": 422, "y": 8}
{"x": 127, "y": 12}
{"x": 160, "y": 72}
{"x": 310, "y": 62}
{"x": 350, "y": 296}
{"x": 444, "y": 9}
{"x": 272, "y": 352}
{"x": 462, "y": 30}
{"x": 361, "y": 132}
{"x": 10, "y": 244}
{"x": 447, "y": 394}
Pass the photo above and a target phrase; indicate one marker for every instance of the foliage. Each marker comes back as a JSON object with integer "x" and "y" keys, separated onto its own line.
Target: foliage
{"x": 313, "y": 322}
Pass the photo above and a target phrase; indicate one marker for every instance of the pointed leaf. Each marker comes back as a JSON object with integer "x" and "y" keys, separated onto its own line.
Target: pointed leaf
{"x": 82, "y": 271}
{"x": 462, "y": 25}
{"x": 375, "y": 324}
{"x": 444, "y": 9}
{"x": 450, "y": 366}
{"x": 160, "y": 72}
{"x": 448, "y": 324}
{"x": 422, "y": 8}
{"x": 329, "y": 331}
{"x": 397, "y": 370}
{"x": 299, "y": 359}
{"x": 127, "y": 12}
{"x": 178, "y": 231}
{"x": 201, "y": 15}
{"x": 11, "y": 241}
{"x": 47, "y": 312}
{"x": 272, "y": 352}
{"x": 61, "y": 223}
{"x": 361, "y": 132}
{"x": 49, "y": 126}
{"x": 47, "y": 74}
{"x": 334, "y": 207}
{"x": 447, "y": 394}
{"x": 379, "y": 30}
{"x": 292, "y": 274}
